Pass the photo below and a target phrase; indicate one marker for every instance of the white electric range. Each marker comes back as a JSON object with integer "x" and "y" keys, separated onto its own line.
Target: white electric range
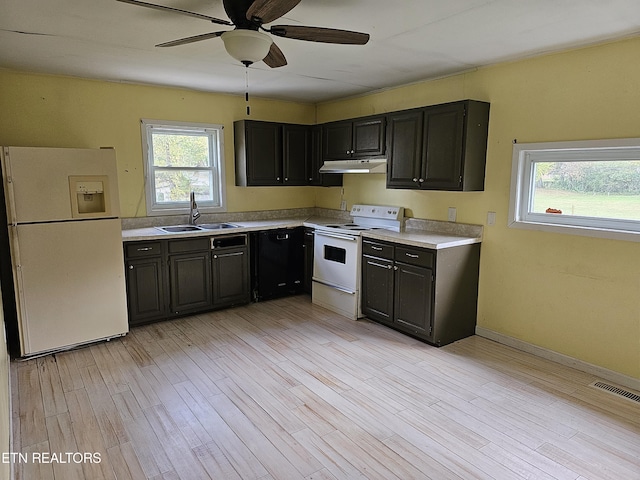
{"x": 337, "y": 257}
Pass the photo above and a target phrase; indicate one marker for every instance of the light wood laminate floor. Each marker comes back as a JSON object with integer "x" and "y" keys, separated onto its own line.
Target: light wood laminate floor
{"x": 288, "y": 390}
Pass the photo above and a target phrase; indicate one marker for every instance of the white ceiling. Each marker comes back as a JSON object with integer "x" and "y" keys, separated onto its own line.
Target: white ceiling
{"x": 411, "y": 40}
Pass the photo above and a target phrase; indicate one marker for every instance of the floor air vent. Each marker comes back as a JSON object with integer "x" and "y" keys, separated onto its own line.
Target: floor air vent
{"x": 617, "y": 391}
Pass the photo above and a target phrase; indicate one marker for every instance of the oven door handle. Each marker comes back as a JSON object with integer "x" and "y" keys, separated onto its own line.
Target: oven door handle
{"x": 337, "y": 235}
{"x": 333, "y": 285}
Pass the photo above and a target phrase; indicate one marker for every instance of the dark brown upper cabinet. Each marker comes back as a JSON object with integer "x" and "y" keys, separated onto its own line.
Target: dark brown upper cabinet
{"x": 279, "y": 154}
{"x": 258, "y": 148}
{"x": 352, "y": 139}
{"x": 296, "y": 152}
{"x": 314, "y": 177}
{"x": 442, "y": 147}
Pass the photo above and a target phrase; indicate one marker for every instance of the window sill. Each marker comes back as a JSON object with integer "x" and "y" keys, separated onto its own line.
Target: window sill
{"x": 578, "y": 230}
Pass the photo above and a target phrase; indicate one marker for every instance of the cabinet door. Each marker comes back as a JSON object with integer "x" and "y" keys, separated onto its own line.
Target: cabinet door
{"x": 368, "y": 137}
{"x": 337, "y": 140}
{"x": 442, "y": 150}
{"x": 404, "y": 143}
{"x": 413, "y": 299}
{"x": 308, "y": 259}
{"x": 145, "y": 290}
{"x": 315, "y": 162}
{"x": 190, "y": 281}
{"x": 377, "y": 288}
{"x": 295, "y": 261}
{"x": 264, "y": 153}
{"x": 231, "y": 277}
{"x": 296, "y": 152}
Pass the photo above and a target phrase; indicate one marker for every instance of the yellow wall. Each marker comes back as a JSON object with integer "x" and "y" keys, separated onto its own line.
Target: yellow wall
{"x": 574, "y": 295}
{"x": 42, "y": 110}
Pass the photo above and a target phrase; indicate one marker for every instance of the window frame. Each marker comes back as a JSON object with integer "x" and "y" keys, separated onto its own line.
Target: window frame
{"x": 524, "y": 157}
{"x": 215, "y": 133}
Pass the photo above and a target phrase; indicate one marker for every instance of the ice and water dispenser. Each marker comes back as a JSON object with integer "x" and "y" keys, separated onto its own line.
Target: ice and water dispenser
{"x": 89, "y": 196}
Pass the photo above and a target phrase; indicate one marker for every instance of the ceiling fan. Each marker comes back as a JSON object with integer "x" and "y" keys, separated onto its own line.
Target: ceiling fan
{"x": 246, "y": 42}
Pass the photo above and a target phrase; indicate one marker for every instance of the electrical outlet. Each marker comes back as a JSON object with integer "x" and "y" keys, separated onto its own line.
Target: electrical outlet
{"x": 343, "y": 205}
{"x": 491, "y": 218}
{"x": 452, "y": 214}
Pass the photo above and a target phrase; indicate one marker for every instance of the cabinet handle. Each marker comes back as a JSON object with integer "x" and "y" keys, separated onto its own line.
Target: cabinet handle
{"x": 144, "y": 249}
{"x": 376, "y": 248}
{"x": 421, "y": 180}
{"x": 376, "y": 264}
{"x": 395, "y": 267}
{"x": 347, "y": 152}
{"x": 352, "y": 152}
{"x": 130, "y": 267}
{"x": 278, "y": 178}
{"x": 411, "y": 255}
{"x": 415, "y": 179}
{"x": 228, "y": 255}
{"x": 286, "y": 179}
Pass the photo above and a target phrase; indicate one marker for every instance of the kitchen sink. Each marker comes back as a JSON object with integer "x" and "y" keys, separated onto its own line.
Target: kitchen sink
{"x": 216, "y": 226}
{"x": 196, "y": 228}
{"x": 180, "y": 228}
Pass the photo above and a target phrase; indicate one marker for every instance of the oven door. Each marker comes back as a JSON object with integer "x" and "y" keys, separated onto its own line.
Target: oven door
{"x": 336, "y": 261}
{"x": 336, "y": 273}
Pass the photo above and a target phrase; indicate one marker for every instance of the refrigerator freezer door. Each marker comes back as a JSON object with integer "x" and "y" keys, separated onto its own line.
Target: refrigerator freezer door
{"x": 37, "y": 181}
{"x": 70, "y": 283}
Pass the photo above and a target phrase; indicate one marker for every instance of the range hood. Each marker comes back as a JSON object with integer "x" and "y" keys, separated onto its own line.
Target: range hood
{"x": 372, "y": 165}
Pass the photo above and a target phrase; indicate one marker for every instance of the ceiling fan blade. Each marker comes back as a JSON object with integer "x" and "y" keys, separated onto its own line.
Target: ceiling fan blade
{"x": 269, "y": 10}
{"x": 195, "y": 38}
{"x": 177, "y": 10}
{"x": 275, "y": 57}
{"x": 319, "y": 34}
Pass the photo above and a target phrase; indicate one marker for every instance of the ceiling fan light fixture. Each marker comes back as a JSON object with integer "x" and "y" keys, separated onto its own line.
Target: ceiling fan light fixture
{"x": 247, "y": 46}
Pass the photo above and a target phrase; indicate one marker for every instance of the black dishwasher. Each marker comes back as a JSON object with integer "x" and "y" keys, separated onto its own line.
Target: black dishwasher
{"x": 277, "y": 263}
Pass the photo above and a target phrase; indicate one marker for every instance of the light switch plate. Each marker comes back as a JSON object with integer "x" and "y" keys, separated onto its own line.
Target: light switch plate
{"x": 491, "y": 218}
{"x": 343, "y": 205}
{"x": 452, "y": 214}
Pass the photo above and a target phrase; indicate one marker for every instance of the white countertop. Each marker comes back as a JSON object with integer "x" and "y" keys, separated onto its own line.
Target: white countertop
{"x": 421, "y": 238}
{"x": 153, "y": 233}
{"x": 413, "y": 237}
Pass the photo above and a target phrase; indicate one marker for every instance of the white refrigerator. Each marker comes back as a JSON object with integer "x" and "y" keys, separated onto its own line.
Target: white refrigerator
{"x": 66, "y": 246}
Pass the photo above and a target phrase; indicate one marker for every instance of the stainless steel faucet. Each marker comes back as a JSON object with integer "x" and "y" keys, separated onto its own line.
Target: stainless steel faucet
{"x": 194, "y": 214}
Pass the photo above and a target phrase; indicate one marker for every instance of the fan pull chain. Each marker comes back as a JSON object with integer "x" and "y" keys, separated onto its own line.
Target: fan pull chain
{"x": 246, "y": 94}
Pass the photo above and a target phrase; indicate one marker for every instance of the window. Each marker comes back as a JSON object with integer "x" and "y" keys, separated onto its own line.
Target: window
{"x": 585, "y": 188}
{"x": 180, "y": 158}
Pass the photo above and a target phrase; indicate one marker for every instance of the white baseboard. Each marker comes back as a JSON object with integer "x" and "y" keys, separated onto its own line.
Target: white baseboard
{"x": 604, "y": 373}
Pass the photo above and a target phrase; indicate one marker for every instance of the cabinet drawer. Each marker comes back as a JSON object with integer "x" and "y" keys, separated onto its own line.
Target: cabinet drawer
{"x": 191, "y": 245}
{"x": 414, "y": 256}
{"x": 377, "y": 249}
{"x": 143, "y": 249}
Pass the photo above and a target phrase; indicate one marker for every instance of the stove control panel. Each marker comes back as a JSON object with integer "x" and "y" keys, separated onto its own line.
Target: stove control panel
{"x": 378, "y": 211}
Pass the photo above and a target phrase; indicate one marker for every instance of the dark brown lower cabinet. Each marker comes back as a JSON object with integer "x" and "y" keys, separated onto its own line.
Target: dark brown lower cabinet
{"x": 430, "y": 294}
{"x": 413, "y": 289}
{"x": 230, "y": 276}
{"x": 146, "y": 287}
{"x": 190, "y": 282}
{"x": 169, "y": 278}
{"x": 377, "y": 283}
{"x": 307, "y": 245}
{"x": 145, "y": 290}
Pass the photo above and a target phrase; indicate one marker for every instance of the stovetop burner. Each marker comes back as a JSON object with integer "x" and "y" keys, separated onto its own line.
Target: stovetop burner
{"x": 350, "y": 226}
